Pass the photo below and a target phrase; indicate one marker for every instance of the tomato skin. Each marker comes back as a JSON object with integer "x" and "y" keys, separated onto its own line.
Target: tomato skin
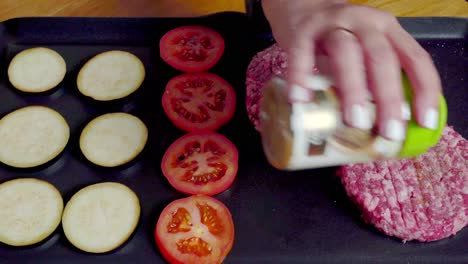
{"x": 164, "y": 252}
{"x": 216, "y": 119}
{"x": 163, "y": 241}
{"x": 173, "y": 174}
{"x": 169, "y": 47}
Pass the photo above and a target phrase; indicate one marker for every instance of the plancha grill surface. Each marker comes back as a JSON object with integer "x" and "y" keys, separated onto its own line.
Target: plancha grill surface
{"x": 280, "y": 217}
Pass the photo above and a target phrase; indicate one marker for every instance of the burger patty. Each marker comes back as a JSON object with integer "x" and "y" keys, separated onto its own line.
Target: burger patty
{"x": 423, "y": 198}
{"x": 267, "y": 63}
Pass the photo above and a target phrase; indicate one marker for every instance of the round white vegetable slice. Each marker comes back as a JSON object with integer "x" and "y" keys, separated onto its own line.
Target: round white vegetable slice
{"x": 30, "y": 211}
{"x": 101, "y": 217}
{"x": 36, "y": 70}
{"x": 111, "y": 75}
{"x": 113, "y": 139}
{"x": 31, "y": 136}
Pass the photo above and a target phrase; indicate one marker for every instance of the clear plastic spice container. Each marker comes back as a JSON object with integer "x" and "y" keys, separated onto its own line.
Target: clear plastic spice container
{"x": 312, "y": 135}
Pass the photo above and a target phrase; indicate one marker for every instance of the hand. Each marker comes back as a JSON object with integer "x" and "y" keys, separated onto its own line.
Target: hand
{"x": 365, "y": 47}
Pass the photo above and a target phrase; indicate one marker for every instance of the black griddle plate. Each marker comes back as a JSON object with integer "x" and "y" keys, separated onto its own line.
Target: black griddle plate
{"x": 280, "y": 217}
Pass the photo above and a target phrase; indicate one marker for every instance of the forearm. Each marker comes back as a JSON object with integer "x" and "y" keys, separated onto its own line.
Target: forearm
{"x": 274, "y": 9}
{"x": 287, "y": 3}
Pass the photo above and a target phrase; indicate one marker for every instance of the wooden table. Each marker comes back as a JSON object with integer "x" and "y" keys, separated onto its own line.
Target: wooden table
{"x": 125, "y": 8}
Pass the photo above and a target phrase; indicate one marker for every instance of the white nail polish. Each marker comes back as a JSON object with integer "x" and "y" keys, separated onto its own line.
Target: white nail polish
{"x": 405, "y": 111}
{"x": 299, "y": 94}
{"x": 318, "y": 82}
{"x": 360, "y": 117}
{"x": 385, "y": 147}
{"x": 394, "y": 130}
{"x": 431, "y": 119}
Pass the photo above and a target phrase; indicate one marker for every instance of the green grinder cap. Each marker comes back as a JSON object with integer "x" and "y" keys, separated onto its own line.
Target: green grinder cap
{"x": 420, "y": 139}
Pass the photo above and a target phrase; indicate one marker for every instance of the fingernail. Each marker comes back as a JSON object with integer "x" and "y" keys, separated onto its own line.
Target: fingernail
{"x": 385, "y": 147}
{"x": 394, "y": 130}
{"x": 431, "y": 119}
{"x": 318, "y": 82}
{"x": 360, "y": 117}
{"x": 405, "y": 111}
{"x": 299, "y": 93}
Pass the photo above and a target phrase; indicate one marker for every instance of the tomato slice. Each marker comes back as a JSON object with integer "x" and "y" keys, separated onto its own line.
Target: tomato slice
{"x": 191, "y": 48}
{"x": 199, "y": 101}
{"x": 201, "y": 163}
{"x": 197, "y": 229}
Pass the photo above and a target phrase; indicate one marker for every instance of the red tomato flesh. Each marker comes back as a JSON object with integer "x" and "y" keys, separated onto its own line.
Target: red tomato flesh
{"x": 197, "y": 229}
{"x": 201, "y": 163}
{"x": 191, "y": 48}
{"x": 199, "y": 101}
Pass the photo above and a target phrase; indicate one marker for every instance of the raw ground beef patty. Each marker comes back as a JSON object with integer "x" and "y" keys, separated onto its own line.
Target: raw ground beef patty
{"x": 424, "y": 198}
{"x": 267, "y": 63}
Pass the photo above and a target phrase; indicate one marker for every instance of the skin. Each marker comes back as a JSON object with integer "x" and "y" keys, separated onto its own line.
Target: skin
{"x": 355, "y": 40}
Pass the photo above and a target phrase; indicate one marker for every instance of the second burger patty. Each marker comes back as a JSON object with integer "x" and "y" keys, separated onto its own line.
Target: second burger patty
{"x": 423, "y": 198}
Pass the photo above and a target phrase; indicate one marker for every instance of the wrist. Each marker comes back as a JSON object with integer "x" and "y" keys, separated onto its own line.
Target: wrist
{"x": 292, "y": 3}
{"x": 275, "y": 9}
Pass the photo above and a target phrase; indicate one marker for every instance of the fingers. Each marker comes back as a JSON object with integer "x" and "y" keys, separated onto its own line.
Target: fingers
{"x": 383, "y": 73}
{"x": 347, "y": 64}
{"x": 370, "y": 58}
{"x": 422, "y": 73}
{"x": 301, "y": 62}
